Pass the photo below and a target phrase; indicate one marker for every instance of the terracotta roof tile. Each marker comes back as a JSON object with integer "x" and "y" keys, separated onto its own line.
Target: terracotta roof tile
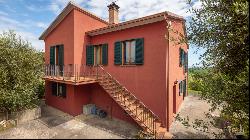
{"x": 136, "y": 22}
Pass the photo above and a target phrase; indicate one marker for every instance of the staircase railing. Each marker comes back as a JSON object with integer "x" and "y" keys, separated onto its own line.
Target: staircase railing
{"x": 148, "y": 118}
{"x": 76, "y": 72}
{"x": 72, "y": 72}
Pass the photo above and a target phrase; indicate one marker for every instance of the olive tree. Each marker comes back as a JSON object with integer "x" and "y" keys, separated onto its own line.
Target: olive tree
{"x": 20, "y": 73}
{"x": 220, "y": 27}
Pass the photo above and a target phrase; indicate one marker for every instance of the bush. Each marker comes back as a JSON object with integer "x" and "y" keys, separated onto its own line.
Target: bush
{"x": 20, "y": 73}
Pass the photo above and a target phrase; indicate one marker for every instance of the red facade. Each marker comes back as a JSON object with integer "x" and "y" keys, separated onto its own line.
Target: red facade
{"x": 154, "y": 82}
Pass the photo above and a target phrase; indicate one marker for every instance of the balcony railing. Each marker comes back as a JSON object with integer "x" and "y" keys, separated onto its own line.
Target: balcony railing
{"x": 72, "y": 73}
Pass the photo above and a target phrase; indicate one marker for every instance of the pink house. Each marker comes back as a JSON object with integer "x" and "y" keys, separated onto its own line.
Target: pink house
{"x": 133, "y": 70}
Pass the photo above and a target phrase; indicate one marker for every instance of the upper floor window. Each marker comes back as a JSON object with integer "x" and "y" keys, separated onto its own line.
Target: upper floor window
{"x": 97, "y": 54}
{"x": 129, "y": 52}
{"x": 57, "y": 55}
{"x": 183, "y": 59}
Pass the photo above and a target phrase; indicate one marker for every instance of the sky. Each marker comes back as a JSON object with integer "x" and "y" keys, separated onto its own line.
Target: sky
{"x": 29, "y": 18}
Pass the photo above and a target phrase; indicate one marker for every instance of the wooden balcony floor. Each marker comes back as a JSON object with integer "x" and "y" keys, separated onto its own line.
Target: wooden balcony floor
{"x": 71, "y": 80}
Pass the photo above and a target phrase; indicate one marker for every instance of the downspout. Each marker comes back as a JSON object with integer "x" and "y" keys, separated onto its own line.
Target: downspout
{"x": 167, "y": 53}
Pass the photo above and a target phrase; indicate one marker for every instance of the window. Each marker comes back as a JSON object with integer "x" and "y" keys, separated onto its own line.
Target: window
{"x": 129, "y": 52}
{"x": 182, "y": 87}
{"x": 56, "y": 55}
{"x": 97, "y": 54}
{"x": 59, "y": 89}
{"x": 183, "y": 59}
{"x": 186, "y": 62}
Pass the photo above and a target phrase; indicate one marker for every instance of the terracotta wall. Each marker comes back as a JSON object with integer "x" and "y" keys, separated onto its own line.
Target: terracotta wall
{"x": 148, "y": 81}
{"x": 175, "y": 72}
{"x": 62, "y": 34}
{"x": 64, "y": 104}
{"x": 102, "y": 100}
{"x": 82, "y": 24}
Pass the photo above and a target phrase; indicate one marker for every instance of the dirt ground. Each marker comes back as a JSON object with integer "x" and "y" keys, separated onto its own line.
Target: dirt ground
{"x": 194, "y": 108}
{"x": 56, "y": 124}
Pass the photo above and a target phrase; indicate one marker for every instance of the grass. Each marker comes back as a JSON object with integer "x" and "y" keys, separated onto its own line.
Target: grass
{"x": 193, "y": 92}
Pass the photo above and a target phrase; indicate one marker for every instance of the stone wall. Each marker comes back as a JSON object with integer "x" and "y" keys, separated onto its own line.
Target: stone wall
{"x": 23, "y": 116}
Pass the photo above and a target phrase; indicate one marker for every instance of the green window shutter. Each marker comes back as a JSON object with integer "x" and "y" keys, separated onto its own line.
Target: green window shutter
{"x": 180, "y": 57}
{"x": 89, "y": 55}
{"x": 61, "y": 58}
{"x": 118, "y": 53}
{"x": 184, "y": 87}
{"x": 64, "y": 90}
{"x": 105, "y": 54}
{"x": 52, "y": 55}
{"x": 54, "y": 89}
{"x": 139, "y": 51}
{"x": 186, "y": 62}
{"x": 61, "y": 55}
{"x": 181, "y": 88}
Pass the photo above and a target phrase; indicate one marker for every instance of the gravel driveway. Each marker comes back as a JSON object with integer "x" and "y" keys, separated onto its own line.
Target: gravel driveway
{"x": 194, "y": 108}
{"x": 56, "y": 124}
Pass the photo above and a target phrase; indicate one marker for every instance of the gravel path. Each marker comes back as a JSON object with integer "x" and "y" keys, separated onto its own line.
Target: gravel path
{"x": 55, "y": 124}
{"x": 194, "y": 108}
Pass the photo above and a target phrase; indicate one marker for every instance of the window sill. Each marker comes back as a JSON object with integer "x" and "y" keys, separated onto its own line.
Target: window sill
{"x": 129, "y": 65}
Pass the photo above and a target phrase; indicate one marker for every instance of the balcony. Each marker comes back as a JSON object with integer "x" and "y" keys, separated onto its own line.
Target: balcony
{"x": 71, "y": 74}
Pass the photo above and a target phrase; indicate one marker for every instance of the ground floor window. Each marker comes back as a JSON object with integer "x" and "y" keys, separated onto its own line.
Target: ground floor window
{"x": 59, "y": 89}
{"x": 182, "y": 87}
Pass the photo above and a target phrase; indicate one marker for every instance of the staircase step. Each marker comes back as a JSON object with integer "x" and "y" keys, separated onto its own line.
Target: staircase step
{"x": 108, "y": 84}
{"x": 113, "y": 91}
{"x": 136, "y": 109}
{"x": 111, "y": 87}
{"x": 128, "y": 103}
{"x": 125, "y": 95}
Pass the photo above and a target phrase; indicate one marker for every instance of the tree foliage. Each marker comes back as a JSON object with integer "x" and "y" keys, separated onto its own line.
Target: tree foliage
{"x": 20, "y": 73}
{"x": 221, "y": 28}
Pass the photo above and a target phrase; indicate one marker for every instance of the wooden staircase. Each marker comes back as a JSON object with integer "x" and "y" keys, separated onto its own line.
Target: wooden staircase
{"x": 149, "y": 122}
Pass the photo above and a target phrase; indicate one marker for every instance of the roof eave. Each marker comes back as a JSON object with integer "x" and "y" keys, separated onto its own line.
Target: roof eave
{"x": 70, "y": 6}
{"x": 134, "y": 23}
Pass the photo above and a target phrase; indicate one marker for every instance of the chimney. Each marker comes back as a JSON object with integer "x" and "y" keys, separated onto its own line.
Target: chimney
{"x": 113, "y": 13}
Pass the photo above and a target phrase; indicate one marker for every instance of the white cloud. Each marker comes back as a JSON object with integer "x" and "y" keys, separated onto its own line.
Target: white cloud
{"x": 3, "y": 13}
{"x": 21, "y": 28}
{"x": 33, "y": 39}
{"x": 129, "y": 9}
{"x": 41, "y": 25}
